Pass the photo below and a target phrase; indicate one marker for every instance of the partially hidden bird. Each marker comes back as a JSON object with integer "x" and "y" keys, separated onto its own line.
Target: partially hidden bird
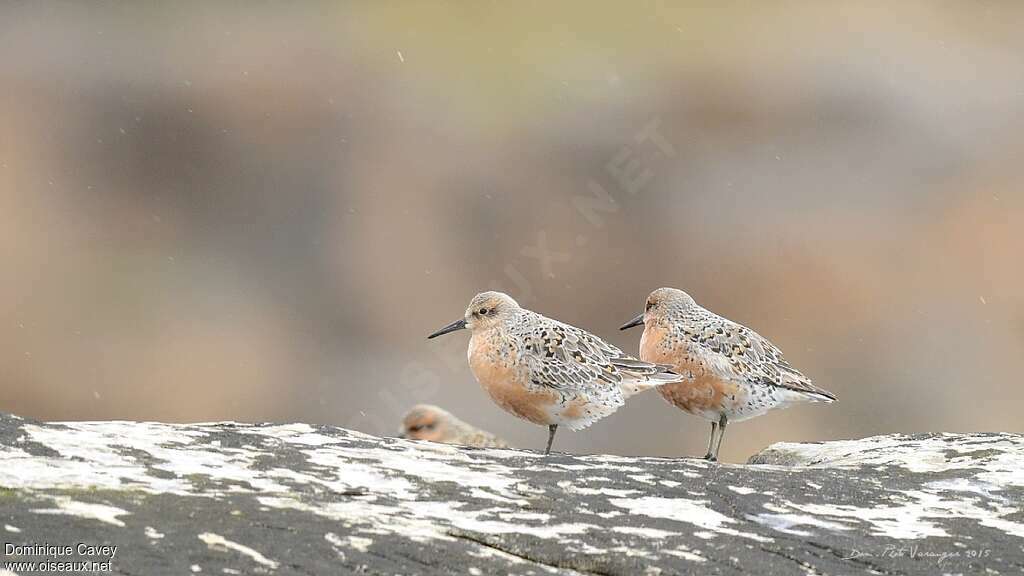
{"x": 435, "y": 424}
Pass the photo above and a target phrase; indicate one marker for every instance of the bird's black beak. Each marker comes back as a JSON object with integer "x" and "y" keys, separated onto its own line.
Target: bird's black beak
{"x": 457, "y": 325}
{"x": 634, "y": 322}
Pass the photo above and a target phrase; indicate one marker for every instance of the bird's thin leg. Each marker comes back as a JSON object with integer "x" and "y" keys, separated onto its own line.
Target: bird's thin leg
{"x": 711, "y": 441}
{"x": 552, "y": 428}
{"x": 721, "y": 434}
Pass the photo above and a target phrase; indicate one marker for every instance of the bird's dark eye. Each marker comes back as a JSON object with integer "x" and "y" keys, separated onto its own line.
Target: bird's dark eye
{"x": 483, "y": 311}
{"x": 416, "y": 428}
{"x": 649, "y": 305}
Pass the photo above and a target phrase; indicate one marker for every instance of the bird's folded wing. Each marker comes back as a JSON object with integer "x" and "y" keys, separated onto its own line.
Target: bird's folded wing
{"x": 566, "y": 358}
{"x": 736, "y": 352}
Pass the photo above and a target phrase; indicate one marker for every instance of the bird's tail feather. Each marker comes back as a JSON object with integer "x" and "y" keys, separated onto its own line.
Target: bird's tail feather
{"x": 638, "y": 376}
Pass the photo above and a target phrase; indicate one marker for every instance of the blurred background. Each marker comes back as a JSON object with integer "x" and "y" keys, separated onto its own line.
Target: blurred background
{"x": 258, "y": 211}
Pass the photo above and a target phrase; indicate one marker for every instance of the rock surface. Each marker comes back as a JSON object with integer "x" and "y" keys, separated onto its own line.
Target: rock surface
{"x": 298, "y": 499}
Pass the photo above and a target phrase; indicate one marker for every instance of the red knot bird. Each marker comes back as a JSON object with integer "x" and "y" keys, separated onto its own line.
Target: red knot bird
{"x": 429, "y": 422}
{"x": 547, "y": 372}
{"x": 731, "y": 373}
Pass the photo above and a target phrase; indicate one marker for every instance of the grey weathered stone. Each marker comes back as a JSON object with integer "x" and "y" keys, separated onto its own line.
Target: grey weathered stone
{"x": 298, "y": 499}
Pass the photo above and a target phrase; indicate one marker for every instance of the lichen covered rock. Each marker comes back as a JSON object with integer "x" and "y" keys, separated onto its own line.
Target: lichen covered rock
{"x": 297, "y": 499}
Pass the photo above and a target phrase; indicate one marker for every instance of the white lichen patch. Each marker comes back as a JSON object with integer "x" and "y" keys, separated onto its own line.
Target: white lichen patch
{"x": 571, "y": 487}
{"x": 367, "y": 517}
{"x": 693, "y": 512}
{"x": 787, "y": 523}
{"x": 998, "y": 458}
{"x": 971, "y": 486}
{"x": 12, "y": 529}
{"x": 68, "y": 507}
{"x": 22, "y": 470}
{"x": 220, "y": 543}
{"x": 742, "y": 490}
{"x": 916, "y": 515}
{"x": 299, "y": 434}
{"x": 337, "y": 544}
{"x": 527, "y": 516}
{"x": 433, "y": 463}
{"x": 627, "y": 551}
{"x": 481, "y": 521}
{"x": 153, "y": 533}
{"x": 92, "y": 454}
{"x": 360, "y": 543}
{"x": 989, "y": 466}
{"x": 645, "y": 532}
{"x": 899, "y": 522}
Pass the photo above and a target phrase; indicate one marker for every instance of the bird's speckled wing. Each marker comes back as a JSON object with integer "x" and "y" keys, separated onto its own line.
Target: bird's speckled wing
{"x": 567, "y": 359}
{"x": 736, "y": 352}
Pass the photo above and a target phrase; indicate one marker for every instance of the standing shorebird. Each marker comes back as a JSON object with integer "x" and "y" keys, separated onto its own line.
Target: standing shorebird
{"x": 547, "y": 372}
{"x": 730, "y": 372}
{"x": 428, "y": 422}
